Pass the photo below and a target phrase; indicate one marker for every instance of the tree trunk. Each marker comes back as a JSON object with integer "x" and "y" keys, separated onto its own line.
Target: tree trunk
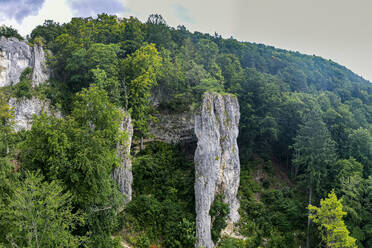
{"x": 308, "y": 220}
{"x": 141, "y": 145}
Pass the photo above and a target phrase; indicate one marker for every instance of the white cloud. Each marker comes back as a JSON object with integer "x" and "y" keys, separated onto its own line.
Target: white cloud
{"x": 86, "y": 8}
{"x": 19, "y": 9}
{"x": 56, "y": 10}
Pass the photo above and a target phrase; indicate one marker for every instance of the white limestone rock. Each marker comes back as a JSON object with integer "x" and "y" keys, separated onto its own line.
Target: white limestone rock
{"x": 16, "y": 56}
{"x": 123, "y": 174}
{"x": 24, "y": 110}
{"x": 217, "y": 166}
{"x": 40, "y": 69}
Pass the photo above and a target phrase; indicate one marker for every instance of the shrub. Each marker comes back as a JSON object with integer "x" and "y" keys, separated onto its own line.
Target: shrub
{"x": 23, "y": 88}
{"x": 218, "y": 212}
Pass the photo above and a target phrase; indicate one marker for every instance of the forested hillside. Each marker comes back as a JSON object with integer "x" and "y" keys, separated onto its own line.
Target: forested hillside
{"x": 304, "y": 139}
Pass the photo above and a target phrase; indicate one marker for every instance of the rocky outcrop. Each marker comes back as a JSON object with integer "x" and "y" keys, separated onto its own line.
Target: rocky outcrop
{"x": 174, "y": 128}
{"x": 24, "y": 110}
{"x": 16, "y": 56}
{"x": 39, "y": 68}
{"x": 123, "y": 174}
{"x": 217, "y": 166}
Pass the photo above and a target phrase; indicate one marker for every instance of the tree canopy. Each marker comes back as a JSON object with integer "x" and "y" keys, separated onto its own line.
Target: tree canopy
{"x": 329, "y": 217}
{"x": 305, "y": 129}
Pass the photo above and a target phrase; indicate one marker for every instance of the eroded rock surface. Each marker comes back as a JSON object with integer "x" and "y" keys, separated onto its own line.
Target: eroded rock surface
{"x": 174, "y": 128}
{"x": 123, "y": 174}
{"x": 217, "y": 166}
{"x": 24, "y": 110}
{"x": 16, "y": 56}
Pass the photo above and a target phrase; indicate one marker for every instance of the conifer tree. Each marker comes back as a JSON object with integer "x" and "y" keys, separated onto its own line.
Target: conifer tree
{"x": 329, "y": 218}
{"x": 314, "y": 151}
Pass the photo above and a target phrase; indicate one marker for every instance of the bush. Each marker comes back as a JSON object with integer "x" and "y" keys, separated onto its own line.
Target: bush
{"x": 163, "y": 207}
{"x": 23, "y": 88}
{"x": 8, "y": 32}
{"x": 147, "y": 211}
{"x": 232, "y": 243}
{"x": 218, "y": 212}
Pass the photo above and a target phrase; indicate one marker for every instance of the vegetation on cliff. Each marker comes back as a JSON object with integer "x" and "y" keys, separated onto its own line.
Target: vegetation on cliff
{"x": 305, "y": 130}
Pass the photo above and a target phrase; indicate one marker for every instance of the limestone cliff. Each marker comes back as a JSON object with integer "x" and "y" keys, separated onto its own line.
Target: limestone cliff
{"x": 24, "y": 110}
{"x": 16, "y": 56}
{"x": 174, "y": 128}
{"x": 217, "y": 166}
{"x": 123, "y": 174}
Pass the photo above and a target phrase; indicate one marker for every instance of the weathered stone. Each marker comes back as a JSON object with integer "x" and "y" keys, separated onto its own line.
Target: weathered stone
{"x": 217, "y": 166}
{"x": 40, "y": 70}
{"x": 24, "y": 110}
{"x": 174, "y": 128}
{"x": 16, "y": 56}
{"x": 123, "y": 174}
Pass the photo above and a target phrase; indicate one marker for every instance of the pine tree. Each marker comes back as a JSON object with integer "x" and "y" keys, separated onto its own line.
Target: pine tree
{"x": 314, "y": 151}
{"x": 332, "y": 227}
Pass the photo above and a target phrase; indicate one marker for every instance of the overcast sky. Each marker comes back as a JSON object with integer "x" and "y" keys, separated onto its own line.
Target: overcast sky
{"x": 340, "y": 30}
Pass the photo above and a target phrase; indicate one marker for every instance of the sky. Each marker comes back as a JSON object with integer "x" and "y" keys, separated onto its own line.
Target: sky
{"x": 340, "y": 30}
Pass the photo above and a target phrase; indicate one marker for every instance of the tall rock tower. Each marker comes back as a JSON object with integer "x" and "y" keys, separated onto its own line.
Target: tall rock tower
{"x": 123, "y": 174}
{"x": 217, "y": 166}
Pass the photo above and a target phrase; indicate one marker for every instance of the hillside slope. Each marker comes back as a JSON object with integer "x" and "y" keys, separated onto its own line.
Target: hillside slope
{"x": 303, "y": 116}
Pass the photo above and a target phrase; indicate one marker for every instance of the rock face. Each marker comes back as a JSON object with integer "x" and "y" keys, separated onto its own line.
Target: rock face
{"x": 174, "y": 128}
{"x": 25, "y": 109}
{"x": 16, "y": 56}
{"x": 123, "y": 174}
{"x": 217, "y": 166}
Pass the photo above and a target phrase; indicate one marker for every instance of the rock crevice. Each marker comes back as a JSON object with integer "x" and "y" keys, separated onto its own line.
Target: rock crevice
{"x": 217, "y": 166}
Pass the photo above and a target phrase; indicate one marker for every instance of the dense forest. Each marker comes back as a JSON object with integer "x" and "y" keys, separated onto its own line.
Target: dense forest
{"x": 305, "y": 141}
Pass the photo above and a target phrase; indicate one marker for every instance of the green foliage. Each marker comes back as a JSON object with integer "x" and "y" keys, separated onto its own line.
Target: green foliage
{"x": 360, "y": 147}
{"x": 207, "y": 52}
{"x": 269, "y": 217}
{"x": 98, "y": 57}
{"x": 110, "y": 84}
{"x": 231, "y": 71}
{"x": 329, "y": 217}
{"x": 80, "y": 151}
{"x": 367, "y": 201}
{"x": 39, "y": 214}
{"x": 163, "y": 181}
{"x": 7, "y": 188}
{"x": 142, "y": 241}
{"x": 7, "y": 177}
{"x": 314, "y": 151}
{"x": 218, "y": 212}
{"x": 259, "y": 99}
{"x": 157, "y": 31}
{"x": 47, "y": 32}
{"x": 139, "y": 71}
{"x": 6, "y": 119}
{"x": 9, "y": 32}
{"x": 232, "y": 243}
{"x": 351, "y": 186}
{"x": 300, "y": 111}
{"x": 23, "y": 88}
